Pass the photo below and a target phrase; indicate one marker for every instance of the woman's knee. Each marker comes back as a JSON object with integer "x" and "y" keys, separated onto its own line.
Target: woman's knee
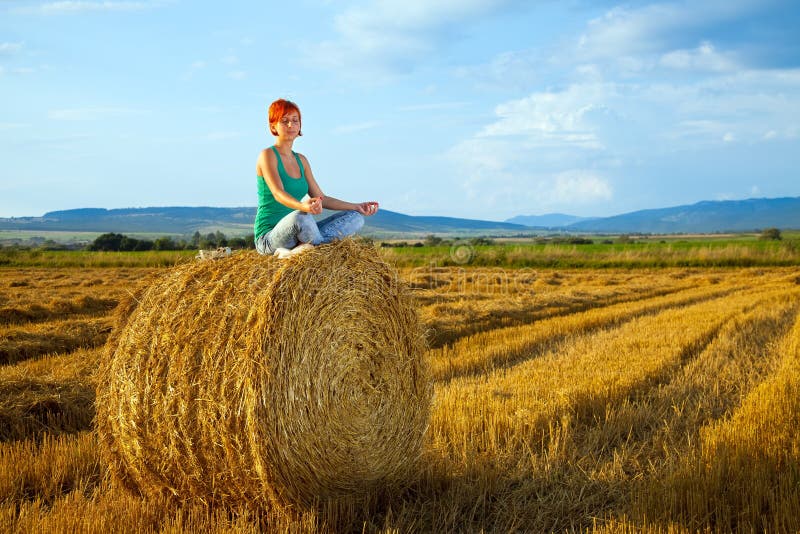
{"x": 349, "y": 223}
{"x": 307, "y": 229}
{"x": 299, "y": 217}
{"x": 357, "y": 220}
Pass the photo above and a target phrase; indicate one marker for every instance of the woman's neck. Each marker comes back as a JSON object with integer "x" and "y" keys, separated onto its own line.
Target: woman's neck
{"x": 284, "y": 147}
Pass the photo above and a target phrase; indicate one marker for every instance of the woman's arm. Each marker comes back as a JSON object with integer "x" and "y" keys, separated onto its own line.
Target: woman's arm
{"x": 332, "y": 203}
{"x": 364, "y": 208}
{"x": 268, "y": 168}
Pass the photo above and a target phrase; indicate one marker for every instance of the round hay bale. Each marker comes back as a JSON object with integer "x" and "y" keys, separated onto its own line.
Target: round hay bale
{"x": 266, "y": 382}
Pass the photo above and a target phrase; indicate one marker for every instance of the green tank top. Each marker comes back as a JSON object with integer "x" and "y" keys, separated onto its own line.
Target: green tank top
{"x": 270, "y": 211}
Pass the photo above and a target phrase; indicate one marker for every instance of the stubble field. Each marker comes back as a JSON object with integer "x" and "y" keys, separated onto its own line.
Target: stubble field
{"x": 663, "y": 400}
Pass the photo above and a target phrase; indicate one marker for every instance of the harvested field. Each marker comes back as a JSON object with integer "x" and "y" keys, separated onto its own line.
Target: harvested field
{"x": 658, "y": 400}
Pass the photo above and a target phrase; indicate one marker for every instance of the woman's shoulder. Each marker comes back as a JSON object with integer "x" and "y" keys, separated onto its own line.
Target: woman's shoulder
{"x": 266, "y": 158}
{"x": 266, "y": 154}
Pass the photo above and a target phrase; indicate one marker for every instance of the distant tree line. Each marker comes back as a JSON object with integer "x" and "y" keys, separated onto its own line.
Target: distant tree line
{"x": 120, "y": 242}
{"x": 432, "y": 240}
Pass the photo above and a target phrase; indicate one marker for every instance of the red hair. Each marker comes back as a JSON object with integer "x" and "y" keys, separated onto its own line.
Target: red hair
{"x": 279, "y": 109}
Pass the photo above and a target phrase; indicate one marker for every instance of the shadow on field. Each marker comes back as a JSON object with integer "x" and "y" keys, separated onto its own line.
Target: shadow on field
{"x": 24, "y": 343}
{"x": 33, "y": 408}
{"x": 563, "y": 474}
{"x": 508, "y": 360}
{"x": 57, "y": 309}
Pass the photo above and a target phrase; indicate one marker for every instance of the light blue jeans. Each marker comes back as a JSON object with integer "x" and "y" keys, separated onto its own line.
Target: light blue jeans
{"x": 299, "y": 227}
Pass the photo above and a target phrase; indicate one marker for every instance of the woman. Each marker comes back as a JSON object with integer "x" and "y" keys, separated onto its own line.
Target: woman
{"x": 289, "y": 196}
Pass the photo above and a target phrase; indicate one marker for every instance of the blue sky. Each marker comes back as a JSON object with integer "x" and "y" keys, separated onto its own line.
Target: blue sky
{"x": 471, "y": 108}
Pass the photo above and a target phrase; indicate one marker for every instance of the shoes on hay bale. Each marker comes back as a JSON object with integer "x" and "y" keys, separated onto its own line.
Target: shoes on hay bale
{"x": 250, "y": 380}
{"x": 219, "y": 252}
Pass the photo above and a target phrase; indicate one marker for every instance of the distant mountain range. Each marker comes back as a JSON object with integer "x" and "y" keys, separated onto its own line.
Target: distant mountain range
{"x": 550, "y": 220}
{"x": 702, "y": 217}
{"x": 235, "y": 221}
{"x": 169, "y": 220}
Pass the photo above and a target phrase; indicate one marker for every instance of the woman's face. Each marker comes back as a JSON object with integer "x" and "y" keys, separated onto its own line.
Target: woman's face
{"x": 289, "y": 125}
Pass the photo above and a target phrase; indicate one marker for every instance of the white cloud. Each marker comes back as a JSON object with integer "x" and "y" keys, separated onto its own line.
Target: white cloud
{"x": 753, "y": 191}
{"x": 393, "y": 34}
{"x": 9, "y": 52}
{"x": 69, "y": 7}
{"x": 237, "y": 75}
{"x": 744, "y": 104}
{"x": 696, "y": 130}
{"x": 658, "y": 41}
{"x": 9, "y": 48}
{"x": 553, "y": 117}
{"x": 504, "y": 178}
{"x": 376, "y": 26}
{"x": 484, "y": 168}
{"x": 657, "y": 27}
{"x": 580, "y": 187}
{"x": 415, "y": 13}
{"x": 626, "y": 116}
{"x": 704, "y": 57}
{"x": 620, "y": 29}
{"x": 664, "y": 39}
{"x": 508, "y": 70}
{"x": 554, "y": 148}
{"x": 540, "y": 151}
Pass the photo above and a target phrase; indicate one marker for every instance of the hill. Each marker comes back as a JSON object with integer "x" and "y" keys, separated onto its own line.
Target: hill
{"x": 549, "y": 220}
{"x": 388, "y": 222}
{"x": 234, "y": 221}
{"x": 702, "y": 217}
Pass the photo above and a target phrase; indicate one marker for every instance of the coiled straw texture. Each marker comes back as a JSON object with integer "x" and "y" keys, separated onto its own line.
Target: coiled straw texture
{"x": 250, "y": 380}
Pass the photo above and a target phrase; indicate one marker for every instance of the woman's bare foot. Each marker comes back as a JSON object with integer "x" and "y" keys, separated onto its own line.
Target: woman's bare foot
{"x": 283, "y": 253}
{"x": 299, "y": 249}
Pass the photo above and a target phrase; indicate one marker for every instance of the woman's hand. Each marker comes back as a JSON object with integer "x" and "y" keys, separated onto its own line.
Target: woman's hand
{"x": 367, "y": 208}
{"x": 312, "y": 205}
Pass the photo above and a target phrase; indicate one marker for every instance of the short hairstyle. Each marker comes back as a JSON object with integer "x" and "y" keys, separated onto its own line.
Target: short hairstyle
{"x": 281, "y": 108}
